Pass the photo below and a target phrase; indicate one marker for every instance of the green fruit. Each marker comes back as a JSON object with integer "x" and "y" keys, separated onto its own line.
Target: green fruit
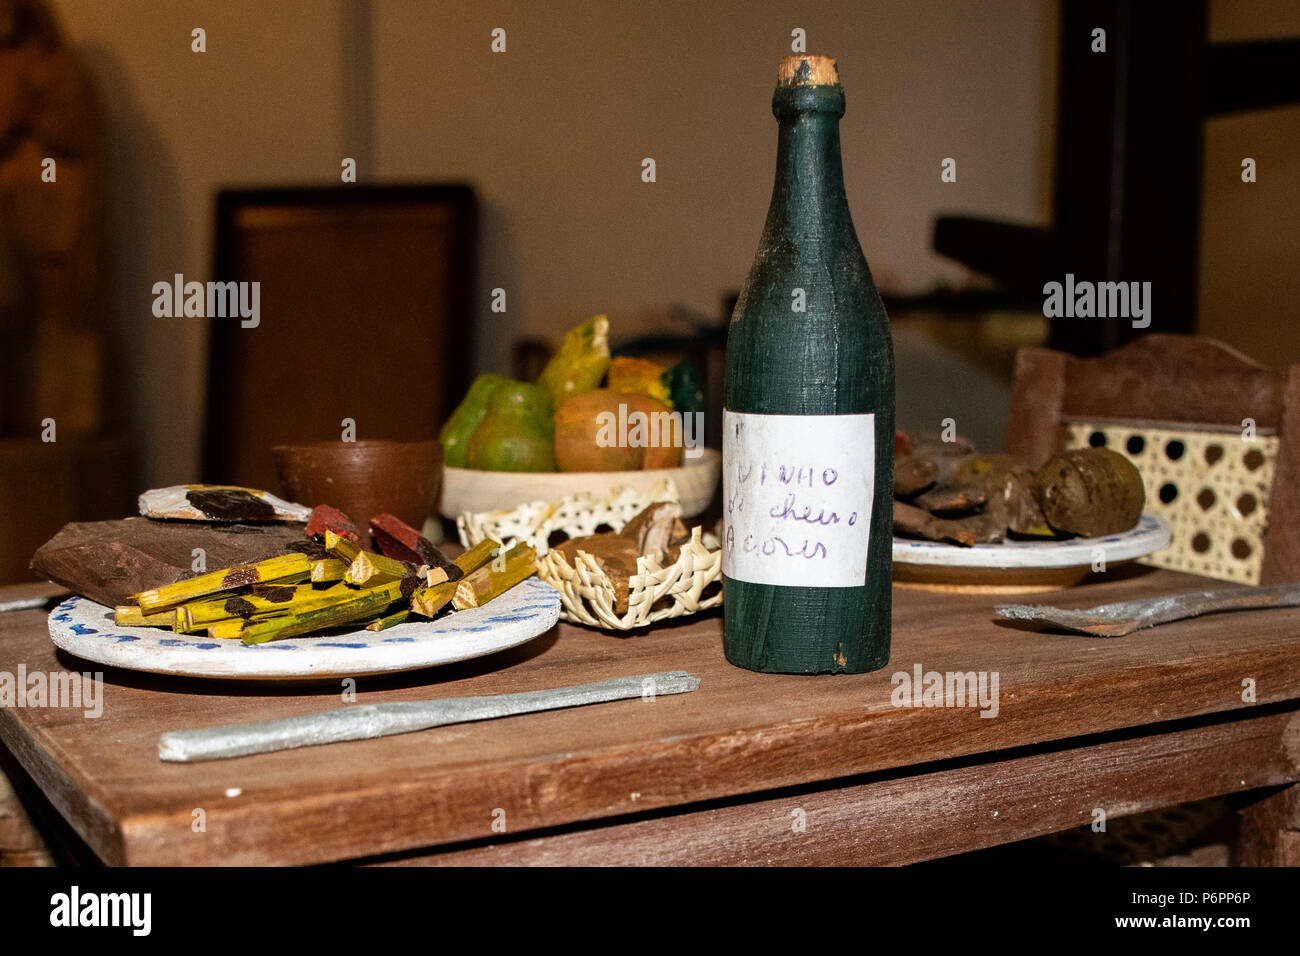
{"x": 517, "y": 432}
{"x": 457, "y": 429}
{"x": 531, "y": 402}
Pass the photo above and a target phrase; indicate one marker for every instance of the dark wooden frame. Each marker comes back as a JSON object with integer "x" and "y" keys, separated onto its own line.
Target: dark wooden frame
{"x": 1129, "y": 145}
{"x": 1170, "y": 378}
{"x": 458, "y": 197}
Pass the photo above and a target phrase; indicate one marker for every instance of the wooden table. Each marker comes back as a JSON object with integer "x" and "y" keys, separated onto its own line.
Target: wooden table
{"x": 748, "y": 769}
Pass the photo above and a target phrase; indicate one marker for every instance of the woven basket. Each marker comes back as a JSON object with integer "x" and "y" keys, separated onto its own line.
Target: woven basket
{"x": 656, "y": 593}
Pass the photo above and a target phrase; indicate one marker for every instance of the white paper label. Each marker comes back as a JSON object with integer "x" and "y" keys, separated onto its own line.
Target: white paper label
{"x": 796, "y": 498}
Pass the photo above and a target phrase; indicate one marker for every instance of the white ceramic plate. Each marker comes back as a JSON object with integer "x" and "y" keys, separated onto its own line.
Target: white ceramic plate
{"x": 1150, "y": 535}
{"x": 86, "y": 629}
{"x": 467, "y": 490}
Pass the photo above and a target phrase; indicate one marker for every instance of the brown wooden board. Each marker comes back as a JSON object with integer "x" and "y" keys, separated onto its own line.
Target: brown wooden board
{"x": 108, "y": 561}
{"x": 906, "y": 818}
{"x": 1175, "y": 378}
{"x": 740, "y": 733}
{"x": 1270, "y": 829}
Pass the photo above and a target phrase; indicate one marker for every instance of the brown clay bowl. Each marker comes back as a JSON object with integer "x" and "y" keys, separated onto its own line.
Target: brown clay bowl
{"x": 363, "y": 478}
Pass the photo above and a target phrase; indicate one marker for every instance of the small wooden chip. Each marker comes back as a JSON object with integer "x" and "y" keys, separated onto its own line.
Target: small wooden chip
{"x": 953, "y": 499}
{"x": 913, "y": 474}
{"x": 910, "y": 521}
{"x": 324, "y": 518}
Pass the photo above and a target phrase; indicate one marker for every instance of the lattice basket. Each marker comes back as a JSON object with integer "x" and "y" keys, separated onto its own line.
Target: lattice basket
{"x": 1210, "y": 483}
{"x": 691, "y": 583}
{"x": 575, "y": 517}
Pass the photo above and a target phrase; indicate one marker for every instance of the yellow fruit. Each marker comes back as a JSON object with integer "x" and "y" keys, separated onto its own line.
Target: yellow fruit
{"x": 581, "y": 362}
{"x": 641, "y": 376}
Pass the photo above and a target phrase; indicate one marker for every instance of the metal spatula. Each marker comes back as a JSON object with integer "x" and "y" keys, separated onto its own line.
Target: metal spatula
{"x": 363, "y": 721}
{"x": 1125, "y": 617}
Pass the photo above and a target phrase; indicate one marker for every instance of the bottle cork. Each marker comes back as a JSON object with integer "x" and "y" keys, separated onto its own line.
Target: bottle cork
{"x": 808, "y": 70}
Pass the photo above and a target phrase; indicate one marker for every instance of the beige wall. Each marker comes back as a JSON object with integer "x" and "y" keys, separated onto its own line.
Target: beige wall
{"x": 260, "y": 106}
{"x": 1250, "y": 232}
{"x": 553, "y": 132}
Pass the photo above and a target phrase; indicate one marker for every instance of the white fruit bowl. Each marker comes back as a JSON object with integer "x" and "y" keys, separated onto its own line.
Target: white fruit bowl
{"x": 467, "y": 490}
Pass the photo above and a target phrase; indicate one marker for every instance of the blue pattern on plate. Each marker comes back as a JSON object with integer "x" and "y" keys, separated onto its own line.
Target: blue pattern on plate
{"x": 538, "y": 595}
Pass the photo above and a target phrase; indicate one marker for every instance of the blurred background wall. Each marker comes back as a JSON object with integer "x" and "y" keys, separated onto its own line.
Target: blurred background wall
{"x": 553, "y": 132}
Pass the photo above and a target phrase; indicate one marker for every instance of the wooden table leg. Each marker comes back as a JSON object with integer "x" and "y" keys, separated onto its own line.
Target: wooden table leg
{"x": 20, "y": 842}
{"x": 1270, "y": 830}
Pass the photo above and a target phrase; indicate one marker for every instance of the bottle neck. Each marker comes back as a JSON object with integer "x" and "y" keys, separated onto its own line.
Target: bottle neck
{"x": 808, "y": 199}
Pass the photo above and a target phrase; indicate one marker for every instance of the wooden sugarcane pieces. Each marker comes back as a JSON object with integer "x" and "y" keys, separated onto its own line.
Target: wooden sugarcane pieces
{"x": 128, "y": 615}
{"x": 341, "y": 547}
{"x": 489, "y": 581}
{"x": 275, "y": 602}
{"x": 477, "y": 556}
{"x": 397, "y": 539}
{"x": 242, "y": 575}
{"x": 298, "y": 577}
{"x": 366, "y": 602}
{"x": 328, "y": 584}
{"x": 384, "y": 623}
{"x": 328, "y": 569}
{"x": 432, "y": 598}
{"x": 195, "y": 613}
{"x": 229, "y": 629}
{"x": 370, "y": 568}
{"x": 428, "y": 601}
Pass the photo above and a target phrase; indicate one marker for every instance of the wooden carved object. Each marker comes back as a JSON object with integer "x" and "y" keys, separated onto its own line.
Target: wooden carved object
{"x": 51, "y": 200}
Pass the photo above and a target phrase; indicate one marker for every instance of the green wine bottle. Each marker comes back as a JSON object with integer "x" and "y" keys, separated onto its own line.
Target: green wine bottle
{"x": 808, "y": 423}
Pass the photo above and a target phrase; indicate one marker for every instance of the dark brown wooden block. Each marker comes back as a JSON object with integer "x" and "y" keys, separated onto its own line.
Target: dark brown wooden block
{"x": 108, "y": 561}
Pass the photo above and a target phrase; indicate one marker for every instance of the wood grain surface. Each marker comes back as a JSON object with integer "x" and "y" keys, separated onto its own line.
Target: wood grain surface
{"x": 740, "y": 733}
{"x": 907, "y": 818}
{"x": 21, "y": 843}
{"x": 109, "y": 561}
